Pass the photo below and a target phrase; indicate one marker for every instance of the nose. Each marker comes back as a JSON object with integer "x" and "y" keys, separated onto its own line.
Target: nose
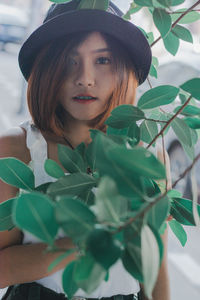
{"x": 85, "y": 76}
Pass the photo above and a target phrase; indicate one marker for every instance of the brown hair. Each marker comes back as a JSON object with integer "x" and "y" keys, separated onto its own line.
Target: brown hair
{"x": 50, "y": 71}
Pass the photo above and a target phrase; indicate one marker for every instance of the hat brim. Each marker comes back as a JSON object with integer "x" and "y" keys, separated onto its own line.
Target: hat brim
{"x": 88, "y": 20}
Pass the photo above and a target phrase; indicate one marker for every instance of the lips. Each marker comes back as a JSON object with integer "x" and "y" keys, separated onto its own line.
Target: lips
{"x": 84, "y": 97}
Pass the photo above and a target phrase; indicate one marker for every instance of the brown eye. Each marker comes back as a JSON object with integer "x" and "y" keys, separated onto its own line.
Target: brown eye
{"x": 104, "y": 60}
{"x": 72, "y": 61}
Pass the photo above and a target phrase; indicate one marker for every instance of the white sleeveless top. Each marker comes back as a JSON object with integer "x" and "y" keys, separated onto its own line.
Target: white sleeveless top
{"x": 120, "y": 281}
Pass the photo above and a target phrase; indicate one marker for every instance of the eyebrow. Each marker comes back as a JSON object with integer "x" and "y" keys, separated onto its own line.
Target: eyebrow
{"x": 75, "y": 52}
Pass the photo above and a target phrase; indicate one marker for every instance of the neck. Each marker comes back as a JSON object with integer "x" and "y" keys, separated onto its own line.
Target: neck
{"x": 77, "y": 132}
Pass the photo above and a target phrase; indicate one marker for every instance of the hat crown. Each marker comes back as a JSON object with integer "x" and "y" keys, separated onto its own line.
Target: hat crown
{"x": 58, "y": 9}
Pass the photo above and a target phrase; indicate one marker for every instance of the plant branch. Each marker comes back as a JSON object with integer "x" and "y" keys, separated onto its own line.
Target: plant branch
{"x": 157, "y": 121}
{"x": 174, "y": 24}
{"x": 186, "y": 170}
{"x": 149, "y": 82}
{"x": 170, "y": 120}
{"x": 149, "y": 206}
{"x": 180, "y": 12}
{"x": 141, "y": 213}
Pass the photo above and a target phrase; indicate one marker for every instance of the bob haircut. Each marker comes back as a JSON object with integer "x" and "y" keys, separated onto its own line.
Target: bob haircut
{"x": 51, "y": 69}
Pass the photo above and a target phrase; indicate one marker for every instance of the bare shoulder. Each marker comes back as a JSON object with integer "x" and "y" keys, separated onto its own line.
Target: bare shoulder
{"x": 13, "y": 144}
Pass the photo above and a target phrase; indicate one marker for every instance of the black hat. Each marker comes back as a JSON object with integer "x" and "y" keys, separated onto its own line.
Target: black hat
{"x": 64, "y": 19}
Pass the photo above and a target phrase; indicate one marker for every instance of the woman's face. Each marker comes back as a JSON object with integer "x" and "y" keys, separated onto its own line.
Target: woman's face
{"x": 90, "y": 81}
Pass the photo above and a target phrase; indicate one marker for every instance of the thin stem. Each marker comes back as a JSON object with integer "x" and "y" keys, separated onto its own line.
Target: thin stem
{"x": 180, "y": 12}
{"x": 170, "y": 120}
{"x": 149, "y": 82}
{"x": 149, "y": 206}
{"x": 174, "y": 24}
{"x": 186, "y": 170}
{"x": 157, "y": 121}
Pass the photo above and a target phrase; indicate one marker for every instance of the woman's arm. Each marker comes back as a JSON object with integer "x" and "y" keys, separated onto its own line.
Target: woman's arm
{"x": 162, "y": 289}
{"x": 22, "y": 263}
{"x": 26, "y": 263}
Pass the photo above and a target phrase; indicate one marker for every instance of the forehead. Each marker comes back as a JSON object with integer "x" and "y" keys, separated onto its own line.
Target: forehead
{"x": 94, "y": 42}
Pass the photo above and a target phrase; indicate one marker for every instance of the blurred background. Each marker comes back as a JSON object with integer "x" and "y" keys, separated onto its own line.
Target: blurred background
{"x": 18, "y": 18}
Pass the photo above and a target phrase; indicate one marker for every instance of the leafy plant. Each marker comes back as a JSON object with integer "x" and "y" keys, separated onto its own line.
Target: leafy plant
{"x": 112, "y": 199}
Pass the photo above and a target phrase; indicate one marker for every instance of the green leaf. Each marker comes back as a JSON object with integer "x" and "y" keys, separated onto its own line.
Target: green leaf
{"x": 131, "y": 256}
{"x": 60, "y": 1}
{"x": 156, "y": 233}
{"x": 81, "y": 149}
{"x": 6, "y": 222}
{"x": 156, "y": 4}
{"x": 182, "y": 131}
{"x": 69, "y": 285}
{"x": 94, "y": 4}
{"x": 189, "y": 151}
{"x": 123, "y": 115}
{"x": 16, "y": 173}
{"x": 153, "y": 71}
{"x": 73, "y": 184}
{"x": 75, "y": 218}
{"x": 190, "y": 17}
{"x": 132, "y": 10}
{"x": 163, "y": 228}
{"x": 43, "y": 187}
{"x": 88, "y": 274}
{"x": 189, "y": 110}
{"x": 182, "y": 97}
{"x": 151, "y": 187}
{"x": 149, "y": 35}
{"x": 111, "y": 207}
{"x": 192, "y": 86}
{"x": 53, "y": 169}
{"x": 116, "y": 131}
{"x": 182, "y": 211}
{"x": 155, "y": 61}
{"x": 91, "y": 151}
{"x": 162, "y": 21}
{"x": 34, "y": 212}
{"x": 150, "y": 259}
{"x": 138, "y": 160}
{"x": 179, "y": 231}
{"x": 171, "y": 43}
{"x": 182, "y": 33}
{"x": 176, "y": 2}
{"x": 103, "y": 247}
{"x": 70, "y": 159}
{"x": 131, "y": 263}
{"x": 144, "y": 2}
{"x": 166, "y": 3}
{"x": 134, "y": 132}
{"x": 87, "y": 197}
{"x": 161, "y": 95}
{"x": 158, "y": 213}
{"x": 128, "y": 183}
{"x": 60, "y": 258}
{"x": 193, "y": 123}
{"x": 149, "y": 130}
{"x": 174, "y": 194}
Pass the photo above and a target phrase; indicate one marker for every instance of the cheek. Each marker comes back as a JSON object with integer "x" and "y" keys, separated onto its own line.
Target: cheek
{"x": 108, "y": 83}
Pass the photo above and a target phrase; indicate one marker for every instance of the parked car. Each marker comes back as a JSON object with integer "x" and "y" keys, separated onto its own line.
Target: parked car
{"x": 13, "y": 25}
{"x": 175, "y": 71}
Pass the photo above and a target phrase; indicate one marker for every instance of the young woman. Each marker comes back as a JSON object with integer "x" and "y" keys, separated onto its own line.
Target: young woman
{"x": 79, "y": 65}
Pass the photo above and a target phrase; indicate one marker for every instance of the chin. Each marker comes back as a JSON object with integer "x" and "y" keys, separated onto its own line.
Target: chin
{"x": 85, "y": 118}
